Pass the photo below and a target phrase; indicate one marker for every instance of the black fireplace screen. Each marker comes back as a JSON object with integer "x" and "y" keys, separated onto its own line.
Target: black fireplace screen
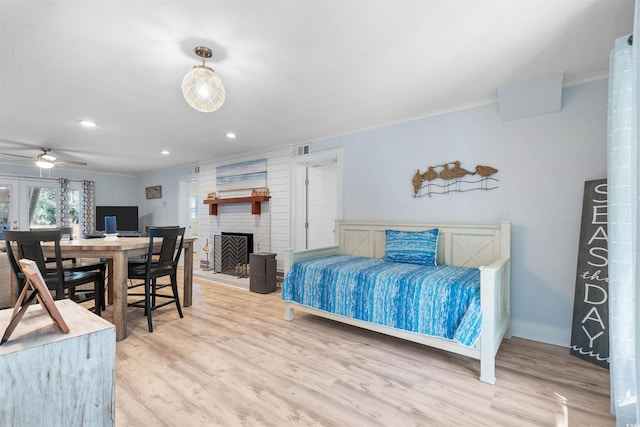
{"x": 231, "y": 253}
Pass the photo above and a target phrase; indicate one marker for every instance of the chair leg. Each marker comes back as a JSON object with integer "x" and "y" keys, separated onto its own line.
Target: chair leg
{"x": 153, "y": 293}
{"x": 147, "y": 303}
{"x": 98, "y": 290}
{"x": 174, "y": 288}
{"x": 97, "y": 286}
{"x": 103, "y": 287}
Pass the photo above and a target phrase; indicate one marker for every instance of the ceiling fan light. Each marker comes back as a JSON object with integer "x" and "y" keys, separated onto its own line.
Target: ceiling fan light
{"x": 44, "y": 163}
{"x": 88, "y": 123}
{"x": 45, "y": 160}
{"x": 203, "y": 89}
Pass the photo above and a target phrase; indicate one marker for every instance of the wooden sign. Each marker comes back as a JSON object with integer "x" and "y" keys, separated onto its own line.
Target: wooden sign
{"x": 590, "y": 331}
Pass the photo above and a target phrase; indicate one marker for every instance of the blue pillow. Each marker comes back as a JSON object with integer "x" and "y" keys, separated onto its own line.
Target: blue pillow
{"x": 413, "y": 247}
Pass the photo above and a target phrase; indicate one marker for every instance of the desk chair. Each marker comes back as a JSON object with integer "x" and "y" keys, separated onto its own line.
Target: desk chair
{"x": 165, "y": 263}
{"x": 60, "y": 280}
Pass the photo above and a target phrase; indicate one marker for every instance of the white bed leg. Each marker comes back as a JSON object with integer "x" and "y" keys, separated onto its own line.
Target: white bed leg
{"x": 288, "y": 313}
{"x": 488, "y": 295}
{"x": 488, "y": 370}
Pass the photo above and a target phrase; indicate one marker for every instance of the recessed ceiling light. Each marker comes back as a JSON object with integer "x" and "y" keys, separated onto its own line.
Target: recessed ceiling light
{"x": 165, "y": 152}
{"x": 88, "y": 123}
{"x": 231, "y": 135}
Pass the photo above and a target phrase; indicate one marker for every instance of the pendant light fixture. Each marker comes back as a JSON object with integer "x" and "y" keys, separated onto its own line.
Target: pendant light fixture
{"x": 201, "y": 87}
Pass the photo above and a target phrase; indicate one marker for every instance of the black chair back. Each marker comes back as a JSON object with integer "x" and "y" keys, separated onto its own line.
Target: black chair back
{"x": 171, "y": 249}
{"x": 148, "y": 227}
{"x": 29, "y": 244}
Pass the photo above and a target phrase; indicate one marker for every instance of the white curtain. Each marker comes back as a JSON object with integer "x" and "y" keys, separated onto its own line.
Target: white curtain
{"x": 624, "y": 181}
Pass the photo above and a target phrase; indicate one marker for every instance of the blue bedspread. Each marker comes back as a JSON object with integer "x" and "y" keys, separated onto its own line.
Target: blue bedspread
{"x": 441, "y": 301}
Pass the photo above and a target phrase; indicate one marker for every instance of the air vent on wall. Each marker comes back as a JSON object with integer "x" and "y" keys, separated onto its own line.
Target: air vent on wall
{"x": 301, "y": 150}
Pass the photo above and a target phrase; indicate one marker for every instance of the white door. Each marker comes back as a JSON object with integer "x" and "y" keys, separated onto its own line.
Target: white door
{"x": 32, "y": 204}
{"x": 8, "y": 205}
{"x": 315, "y": 207}
{"x": 322, "y": 205}
{"x": 188, "y": 202}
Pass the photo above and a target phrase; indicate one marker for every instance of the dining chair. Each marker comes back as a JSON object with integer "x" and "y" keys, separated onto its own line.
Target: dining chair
{"x": 141, "y": 259}
{"x": 162, "y": 264}
{"x": 60, "y": 280}
{"x": 83, "y": 264}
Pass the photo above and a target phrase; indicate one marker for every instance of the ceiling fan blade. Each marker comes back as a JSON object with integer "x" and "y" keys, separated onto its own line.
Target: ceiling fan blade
{"x": 17, "y": 155}
{"x": 46, "y": 157}
{"x": 70, "y": 162}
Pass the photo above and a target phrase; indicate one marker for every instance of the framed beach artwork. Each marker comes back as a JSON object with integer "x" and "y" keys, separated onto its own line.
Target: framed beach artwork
{"x": 154, "y": 192}
{"x": 242, "y": 176}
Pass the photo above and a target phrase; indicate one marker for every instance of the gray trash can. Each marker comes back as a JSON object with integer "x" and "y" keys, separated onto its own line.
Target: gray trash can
{"x": 263, "y": 272}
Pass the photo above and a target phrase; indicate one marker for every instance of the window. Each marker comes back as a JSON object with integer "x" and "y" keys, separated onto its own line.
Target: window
{"x": 43, "y": 207}
{"x": 193, "y": 204}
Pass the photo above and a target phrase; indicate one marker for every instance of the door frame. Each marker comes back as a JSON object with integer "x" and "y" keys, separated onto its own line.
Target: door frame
{"x": 298, "y": 197}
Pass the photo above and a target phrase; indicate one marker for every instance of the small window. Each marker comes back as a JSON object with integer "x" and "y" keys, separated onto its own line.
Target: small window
{"x": 194, "y": 207}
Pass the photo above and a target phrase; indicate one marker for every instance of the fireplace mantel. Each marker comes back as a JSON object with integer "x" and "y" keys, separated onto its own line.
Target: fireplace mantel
{"x": 254, "y": 200}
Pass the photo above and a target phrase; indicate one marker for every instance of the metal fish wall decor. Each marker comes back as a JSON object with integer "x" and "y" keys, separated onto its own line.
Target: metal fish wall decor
{"x": 451, "y": 177}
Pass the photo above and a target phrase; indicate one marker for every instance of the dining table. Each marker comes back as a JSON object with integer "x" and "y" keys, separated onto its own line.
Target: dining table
{"x": 117, "y": 253}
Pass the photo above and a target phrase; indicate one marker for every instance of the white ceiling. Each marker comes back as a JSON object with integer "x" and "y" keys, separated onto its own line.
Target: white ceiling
{"x": 294, "y": 71}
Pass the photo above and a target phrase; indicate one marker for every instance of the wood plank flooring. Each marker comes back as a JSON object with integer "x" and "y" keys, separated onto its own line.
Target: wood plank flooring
{"x": 234, "y": 361}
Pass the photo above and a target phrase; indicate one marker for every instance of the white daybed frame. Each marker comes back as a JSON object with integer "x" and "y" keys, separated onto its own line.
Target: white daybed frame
{"x": 486, "y": 247}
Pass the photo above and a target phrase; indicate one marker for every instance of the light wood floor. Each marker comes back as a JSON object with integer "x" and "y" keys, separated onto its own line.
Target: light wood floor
{"x": 234, "y": 361}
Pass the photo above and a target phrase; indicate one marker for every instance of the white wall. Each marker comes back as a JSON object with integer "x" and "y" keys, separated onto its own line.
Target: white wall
{"x": 173, "y": 207}
{"x": 543, "y": 162}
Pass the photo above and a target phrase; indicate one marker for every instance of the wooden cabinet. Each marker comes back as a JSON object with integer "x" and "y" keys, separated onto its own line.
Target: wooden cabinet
{"x": 51, "y": 378}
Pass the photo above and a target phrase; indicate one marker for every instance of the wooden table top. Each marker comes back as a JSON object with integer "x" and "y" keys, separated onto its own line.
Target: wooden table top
{"x": 123, "y": 243}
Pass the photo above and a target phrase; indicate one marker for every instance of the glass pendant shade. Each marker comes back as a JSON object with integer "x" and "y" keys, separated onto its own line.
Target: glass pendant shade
{"x": 203, "y": 89}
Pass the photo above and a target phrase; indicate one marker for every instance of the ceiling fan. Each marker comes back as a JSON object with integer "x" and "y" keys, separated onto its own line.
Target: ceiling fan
{"x": 45, "y": 160}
